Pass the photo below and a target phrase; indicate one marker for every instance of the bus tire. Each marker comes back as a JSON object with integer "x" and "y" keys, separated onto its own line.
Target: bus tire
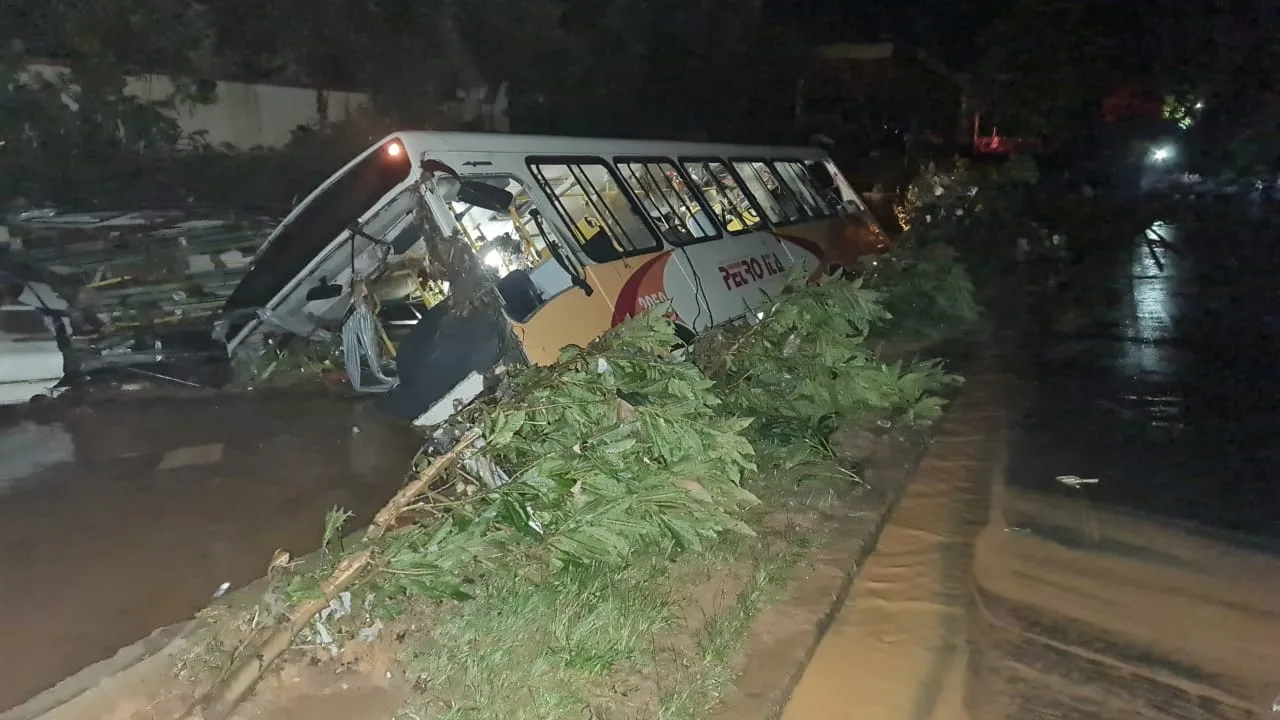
{"x": 685, "y": 335}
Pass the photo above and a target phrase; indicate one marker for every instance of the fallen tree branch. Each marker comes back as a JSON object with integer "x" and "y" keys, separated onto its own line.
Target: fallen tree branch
{"x": 223, "y": 698}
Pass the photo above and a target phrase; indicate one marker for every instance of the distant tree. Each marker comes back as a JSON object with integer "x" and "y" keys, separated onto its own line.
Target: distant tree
{"x": 716, "y": 69}
{"x": 74, "y": 123}
{"x": 1048, "y": 64}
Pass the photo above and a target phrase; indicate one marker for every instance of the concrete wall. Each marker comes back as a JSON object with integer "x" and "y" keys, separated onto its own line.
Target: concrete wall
{"x": 242, "y": 115}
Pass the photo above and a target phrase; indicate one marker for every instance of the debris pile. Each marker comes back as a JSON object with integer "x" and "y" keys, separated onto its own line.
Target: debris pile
{"x": 110, "y": 289}
{"x": 127, "y": 270}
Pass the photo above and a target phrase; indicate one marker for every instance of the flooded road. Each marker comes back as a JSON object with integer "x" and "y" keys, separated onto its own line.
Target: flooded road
{"x": 1167, "y": 394}
{"x": 1150, "y": 590}
{"x": 1153, "y": 592}
{"x": 125, "y": 516}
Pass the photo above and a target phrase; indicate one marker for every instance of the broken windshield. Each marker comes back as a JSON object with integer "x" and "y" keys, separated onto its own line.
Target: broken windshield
{"x": 504, "y": 241}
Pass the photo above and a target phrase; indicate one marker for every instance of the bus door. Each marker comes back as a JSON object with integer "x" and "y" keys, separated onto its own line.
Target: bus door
{"x": 543, "y": 286}
{"x": 620, "y": 237}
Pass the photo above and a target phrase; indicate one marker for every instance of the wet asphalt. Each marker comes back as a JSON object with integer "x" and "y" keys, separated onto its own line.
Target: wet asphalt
{"x": 1167, "y": 390}
{"x": 1148, "y": 585}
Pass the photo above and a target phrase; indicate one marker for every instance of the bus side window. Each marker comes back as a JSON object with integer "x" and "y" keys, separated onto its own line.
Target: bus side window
{"x": 721, "y": 189}
{"x": 769, "y": 193}
{"x": 835, "y": 186}
{"x": 662, "y": 192}
{"x": 822, "y": 180}
{"x": 801, "y": 185}
{"x": 589, "y": 199}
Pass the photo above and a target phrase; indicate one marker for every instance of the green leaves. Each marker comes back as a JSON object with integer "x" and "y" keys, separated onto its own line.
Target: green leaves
{"x": 805, "y": 369}
{"x": 620, "y": 449}
{"x": 334, "y": 521}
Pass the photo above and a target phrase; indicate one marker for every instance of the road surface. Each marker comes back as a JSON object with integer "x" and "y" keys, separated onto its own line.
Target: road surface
{"x": 1150, "y": 594}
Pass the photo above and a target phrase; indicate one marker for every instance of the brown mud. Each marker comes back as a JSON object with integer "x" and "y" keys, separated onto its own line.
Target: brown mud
{"x": 896, "y": 648}
{"x": 125, "y": 516}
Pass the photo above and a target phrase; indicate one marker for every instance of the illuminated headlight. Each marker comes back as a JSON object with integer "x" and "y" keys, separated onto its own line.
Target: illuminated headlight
{"x": 1162, "y": 153}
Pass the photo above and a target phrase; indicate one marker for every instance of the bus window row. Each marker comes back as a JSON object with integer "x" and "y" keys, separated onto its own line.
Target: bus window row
{"x": 610, "y": 209}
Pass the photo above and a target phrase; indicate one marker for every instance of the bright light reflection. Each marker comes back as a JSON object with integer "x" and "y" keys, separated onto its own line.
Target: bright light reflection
{"x": 1149, "y": 324}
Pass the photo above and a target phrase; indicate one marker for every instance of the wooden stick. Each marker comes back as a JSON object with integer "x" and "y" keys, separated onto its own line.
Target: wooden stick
{"x": 227, "y": 694}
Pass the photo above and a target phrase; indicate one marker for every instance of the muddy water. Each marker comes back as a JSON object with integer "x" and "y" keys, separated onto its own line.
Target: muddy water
{"x": 1086, "y": 612}
{"x": 126, "y": 516}
{"x": 1151, "y": 594}
{"x": 896, "y": 651}
{"x": 986, "y": 601}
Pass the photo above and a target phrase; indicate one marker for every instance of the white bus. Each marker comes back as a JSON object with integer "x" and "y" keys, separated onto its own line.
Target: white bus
{"x": 575, "y": 234}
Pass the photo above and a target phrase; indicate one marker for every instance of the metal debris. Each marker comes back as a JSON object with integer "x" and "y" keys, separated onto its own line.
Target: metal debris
{"x": 1076, "y": 481}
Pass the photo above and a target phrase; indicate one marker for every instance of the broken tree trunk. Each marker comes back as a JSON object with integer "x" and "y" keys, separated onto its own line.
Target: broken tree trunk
{"x": 223, "y": 698}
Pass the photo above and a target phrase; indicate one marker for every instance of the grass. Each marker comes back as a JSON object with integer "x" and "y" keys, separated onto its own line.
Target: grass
{"x": 700, "y": 690}
{"x": 654, "y": 639}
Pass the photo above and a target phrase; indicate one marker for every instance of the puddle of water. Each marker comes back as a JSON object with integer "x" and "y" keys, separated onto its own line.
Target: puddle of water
{"x": 128, "y": 516}
{"x": 28, "y": 448}
{"x": 1169, "y": 395}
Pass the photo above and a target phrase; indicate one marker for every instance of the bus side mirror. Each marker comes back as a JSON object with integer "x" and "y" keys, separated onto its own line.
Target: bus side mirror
{"x": 484, "y": 195}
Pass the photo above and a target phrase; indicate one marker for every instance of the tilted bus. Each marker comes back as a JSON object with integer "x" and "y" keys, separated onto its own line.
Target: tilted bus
{"x": 576, "y": 235}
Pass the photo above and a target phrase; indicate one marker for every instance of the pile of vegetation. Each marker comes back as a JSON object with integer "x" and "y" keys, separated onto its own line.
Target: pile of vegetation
{"x": 544, "y": 559}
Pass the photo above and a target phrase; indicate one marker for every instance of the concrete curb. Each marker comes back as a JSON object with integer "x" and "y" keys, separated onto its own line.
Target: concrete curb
{"x": 821, "y": 585}
{"x": 819, "y": 588}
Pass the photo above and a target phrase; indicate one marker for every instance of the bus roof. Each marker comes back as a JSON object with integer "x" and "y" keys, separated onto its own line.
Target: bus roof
{"x": 419, "y": 141}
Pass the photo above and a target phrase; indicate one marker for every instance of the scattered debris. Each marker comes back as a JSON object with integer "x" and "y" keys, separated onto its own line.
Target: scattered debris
{"x": 135, "y": 268}
{"x": 370, "y": 634}
{"x": 117, "y": 289}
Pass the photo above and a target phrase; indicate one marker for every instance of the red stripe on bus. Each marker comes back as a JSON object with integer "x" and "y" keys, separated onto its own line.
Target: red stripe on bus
{"x": 628, "y": 297}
